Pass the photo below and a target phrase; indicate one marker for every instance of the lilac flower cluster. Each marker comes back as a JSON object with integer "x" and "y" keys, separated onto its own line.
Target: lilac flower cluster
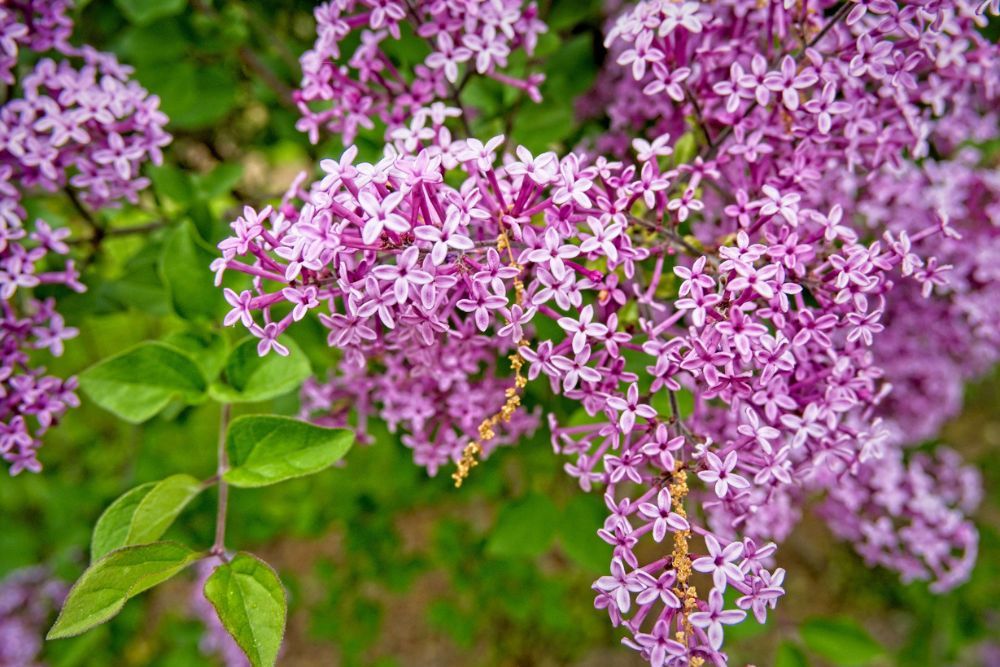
{"x": 87, "y": 129}
{"x": 90, "y": 127}
{"x": 743, "y": 329}
{"x": 216, "y": 640}
{"x": 910, "y": 515}
{"x": 37, "y": 25}
{"x": 342, "y": 92}
{"x": 28, "y": 600}
{"x": 30, "y": 400}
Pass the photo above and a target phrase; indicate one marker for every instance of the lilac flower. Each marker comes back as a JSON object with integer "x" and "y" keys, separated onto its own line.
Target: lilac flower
{"x": 404, "y": 276}
{"x": 268, "y": 335}
{"x": 660, "y": 644}
{"x": 720, "y": 473}
{"x": 620, "y": 585}
{"x": 77, "y": 124}
{"x": 583, "y": 328}
{"x": 761, "y": 433}
{"x": 662, "y": 516}
{"x": 630, "y": 408}
{"x": 517, "y": 318}
{"x": 241, "y": 308}
{"x": 720, "y": 562}
{"x": 381, "y": 216}
{"x": 480, "y": 304}
{"x": 715, "y": 617}
{"x": 789, "y": 82}
{"x": 447, "y": 236}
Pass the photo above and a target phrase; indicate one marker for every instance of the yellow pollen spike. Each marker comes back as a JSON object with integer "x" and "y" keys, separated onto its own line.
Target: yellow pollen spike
{"x": 473, "y": 450}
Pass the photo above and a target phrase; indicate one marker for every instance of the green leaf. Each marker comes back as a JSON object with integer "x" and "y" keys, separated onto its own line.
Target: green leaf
{"x": 269, "y": 449}
{"x": 219, "y": 181}
{"x": 685, "y": 149}
{"x": 790, "y": 655}
{"x": 143, "y": 514}
{"x": 570, "y": 70}
{"x": 193, "y": 95}
{"x": 184, "y": 267}
{"x": 164, "y": 42}
{"x": 524, "y": 528}
{"x": 549, "y": 125}
{"x": 840, "y": 640}
{"x": 142, "y": 12}
{"x": 252, "y": 377}
{"x": 138, "y": 383}
{"x": 206, "y": 348}
{"x": 172, "y": 183}
{"x": 104, "y": 588}
{"x": 566, "y": 14}
{"x": 582, "y": 517}
{"x": 140, "y": 285}
{"x": 250, "y": 602}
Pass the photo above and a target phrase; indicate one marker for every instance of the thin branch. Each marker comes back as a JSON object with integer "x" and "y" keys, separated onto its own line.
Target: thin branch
{"x": 268, "y": 34}
{"x": 83, "y": 210}
{"x": 253, "y": 62}
{"x": 841, "y": 12}
{"x": 219, "y": 547}
{"x": 699, "y": 117}
{"x": 673, "y": 237}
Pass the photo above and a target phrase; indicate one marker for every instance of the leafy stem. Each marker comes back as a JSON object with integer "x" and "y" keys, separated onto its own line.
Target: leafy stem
{"x": 219, "y": 547}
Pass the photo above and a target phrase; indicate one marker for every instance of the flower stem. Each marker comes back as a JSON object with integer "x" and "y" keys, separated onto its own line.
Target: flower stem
{"x": 219, "y": 547}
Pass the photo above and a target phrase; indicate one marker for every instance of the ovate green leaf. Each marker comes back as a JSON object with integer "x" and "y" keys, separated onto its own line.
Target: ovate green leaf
{"x": 206, "y": 348}
{"x": 184, "y": 266}
{"x": 686, "y": 148}
{"x": 251, "y": 377}
{"x": 250, "y": 601}
{"x": 139, "y": 382}
{"x": 143, "y": 514}
{"x": 581, "y": 518}
{"x": 104, "y": 588}
{"x": 266, "y": 450}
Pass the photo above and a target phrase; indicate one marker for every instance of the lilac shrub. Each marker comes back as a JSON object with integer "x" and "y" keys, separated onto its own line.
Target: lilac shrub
{"x": 75, "y": 122}
{"x": 766, "y": 280}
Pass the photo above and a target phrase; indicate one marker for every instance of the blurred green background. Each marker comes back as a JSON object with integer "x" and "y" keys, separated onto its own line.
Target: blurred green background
{"x": 385, "y": 566}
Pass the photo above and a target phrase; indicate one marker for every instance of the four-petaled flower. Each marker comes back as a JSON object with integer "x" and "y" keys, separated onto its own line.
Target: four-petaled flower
{"x": 720, "y": 473}
{"x": 715, "y": 617}
{"x": 629, "y": 408}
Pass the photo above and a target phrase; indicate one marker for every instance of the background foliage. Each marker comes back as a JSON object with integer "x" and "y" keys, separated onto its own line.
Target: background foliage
{"x": 384, "y": 566}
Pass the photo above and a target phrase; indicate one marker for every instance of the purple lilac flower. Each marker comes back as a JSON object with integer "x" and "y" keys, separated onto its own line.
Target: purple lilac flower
{"x": 810, "y": 254}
